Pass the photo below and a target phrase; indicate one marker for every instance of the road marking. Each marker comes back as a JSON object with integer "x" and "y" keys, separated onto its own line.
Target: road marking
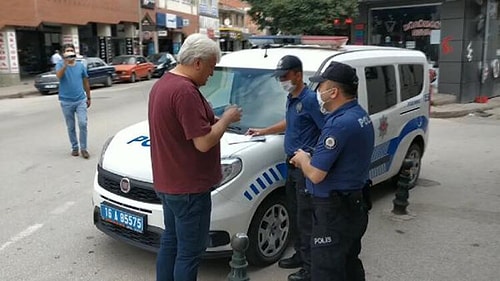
{"x": 23, "y": 234}
{"x": 61, "y": 209}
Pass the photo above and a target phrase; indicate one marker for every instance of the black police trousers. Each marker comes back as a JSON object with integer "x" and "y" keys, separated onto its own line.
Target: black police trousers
{"x": 339, "y": 223}
{"x": 300, "y": 207}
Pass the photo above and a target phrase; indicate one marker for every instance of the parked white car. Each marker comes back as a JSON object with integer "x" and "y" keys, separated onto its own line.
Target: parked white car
{"x": 394, "y": 88}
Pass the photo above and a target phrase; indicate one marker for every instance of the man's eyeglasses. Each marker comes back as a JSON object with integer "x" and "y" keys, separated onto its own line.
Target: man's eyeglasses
{"x": 69, "y": 50}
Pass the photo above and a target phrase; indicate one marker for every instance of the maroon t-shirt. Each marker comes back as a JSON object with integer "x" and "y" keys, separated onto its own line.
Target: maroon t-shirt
{"x": 178, "y": 113}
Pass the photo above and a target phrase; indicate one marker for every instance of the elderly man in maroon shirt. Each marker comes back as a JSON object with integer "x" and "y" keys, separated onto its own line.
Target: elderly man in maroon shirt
{"x": 185, "y": 155}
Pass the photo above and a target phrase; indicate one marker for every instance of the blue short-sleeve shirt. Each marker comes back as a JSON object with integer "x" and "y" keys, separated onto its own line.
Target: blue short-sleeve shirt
{"x": 304, "y": 121}
{"x": 71, "y": 83}
{"x": 344, "y": 150}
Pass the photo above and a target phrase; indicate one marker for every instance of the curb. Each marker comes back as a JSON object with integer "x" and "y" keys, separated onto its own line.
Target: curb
{"x": 460, "y": 112}
{"x": 21, "y": 94}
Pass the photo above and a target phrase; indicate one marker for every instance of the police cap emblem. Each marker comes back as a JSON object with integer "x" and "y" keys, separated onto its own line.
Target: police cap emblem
{"x": 125, "y": 185}
{"x": 330, "y": 143}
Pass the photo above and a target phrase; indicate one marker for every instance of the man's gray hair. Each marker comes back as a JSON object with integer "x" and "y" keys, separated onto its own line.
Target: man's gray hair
{"x": 198, "y": 46}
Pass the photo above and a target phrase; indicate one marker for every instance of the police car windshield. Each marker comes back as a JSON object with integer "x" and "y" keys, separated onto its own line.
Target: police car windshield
{"x": 256, "y": 91}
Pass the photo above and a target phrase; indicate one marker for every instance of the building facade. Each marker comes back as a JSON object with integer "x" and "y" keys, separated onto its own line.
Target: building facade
{"x": 30, "y": 32}
{"x": 459, "y": 37}
{"x": 234, "y": 32}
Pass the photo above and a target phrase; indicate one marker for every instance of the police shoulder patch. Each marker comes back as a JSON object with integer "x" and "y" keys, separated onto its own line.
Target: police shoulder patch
{"x": 330, "y": 143}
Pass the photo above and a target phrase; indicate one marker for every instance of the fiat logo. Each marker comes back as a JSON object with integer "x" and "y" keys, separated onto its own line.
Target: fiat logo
{"x": 125, "y": 185}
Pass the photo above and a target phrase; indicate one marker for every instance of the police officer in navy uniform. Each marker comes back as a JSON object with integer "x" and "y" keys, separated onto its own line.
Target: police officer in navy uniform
{"x": 336, "y": 174}
{"x": 302, "y": 127}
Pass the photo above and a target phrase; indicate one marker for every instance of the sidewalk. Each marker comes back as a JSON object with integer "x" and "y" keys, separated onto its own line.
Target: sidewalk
{"x": 24, "y": 89}
{"x": 443, "y": 105}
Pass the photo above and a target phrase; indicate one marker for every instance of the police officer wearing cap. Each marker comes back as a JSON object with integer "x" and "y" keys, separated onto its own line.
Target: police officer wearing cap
{"x": 302, "y": 127}
{"x": 336, "y": 174}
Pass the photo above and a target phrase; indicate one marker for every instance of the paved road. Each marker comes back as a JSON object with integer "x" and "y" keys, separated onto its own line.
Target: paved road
{"x": 45, "y": 209}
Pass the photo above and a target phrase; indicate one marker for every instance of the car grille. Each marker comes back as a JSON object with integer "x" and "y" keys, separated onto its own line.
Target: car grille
{"x": 148, "y": 239}
{"x": 139, "y": 190}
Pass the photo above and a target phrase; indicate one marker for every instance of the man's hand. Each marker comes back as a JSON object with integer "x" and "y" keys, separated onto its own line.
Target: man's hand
{"x": 300, "y": 158}
{"x": 232, "y": 114}
{"x": 88, "y": 103}
{"x": 255, "y": 132}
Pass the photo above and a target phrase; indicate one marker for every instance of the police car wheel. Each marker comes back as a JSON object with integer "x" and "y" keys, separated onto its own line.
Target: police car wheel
{"x": 269, "y": 232}
{"x": 415, "y": 154}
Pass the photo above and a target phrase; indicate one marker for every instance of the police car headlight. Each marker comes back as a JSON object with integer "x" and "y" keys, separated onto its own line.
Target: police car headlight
{"x": 103, "y": 151}
{"x": 231, "y": 167}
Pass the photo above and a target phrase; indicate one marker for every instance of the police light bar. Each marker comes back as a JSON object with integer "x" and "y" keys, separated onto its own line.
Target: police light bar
{"x": 333, "y": 41}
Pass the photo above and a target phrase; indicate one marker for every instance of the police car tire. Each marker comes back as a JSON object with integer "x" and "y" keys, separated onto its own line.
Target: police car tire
{"x": 413, "y": 150}
{"x": 254, "y": 255}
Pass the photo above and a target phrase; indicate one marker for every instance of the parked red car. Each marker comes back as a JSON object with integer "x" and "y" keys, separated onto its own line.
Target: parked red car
{"x": 132, "y": 67}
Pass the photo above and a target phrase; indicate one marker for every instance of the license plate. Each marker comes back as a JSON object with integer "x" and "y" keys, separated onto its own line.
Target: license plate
{"x": 123, "y": 218}
{"x": 50, "y": 86}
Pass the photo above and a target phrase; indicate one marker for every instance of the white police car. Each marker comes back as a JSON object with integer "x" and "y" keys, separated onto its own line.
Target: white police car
{"x": 394, "y": 88}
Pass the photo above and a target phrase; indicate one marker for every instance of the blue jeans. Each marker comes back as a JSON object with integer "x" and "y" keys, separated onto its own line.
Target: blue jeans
{"x": 78, "y": 108}
{"x": 184, "y": 240}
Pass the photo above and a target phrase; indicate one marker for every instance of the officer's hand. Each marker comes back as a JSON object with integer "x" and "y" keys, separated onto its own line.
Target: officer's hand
{"x": 300, "y": 158}
{"x": 255, "y": 132}
{"x": 232, "y": 114}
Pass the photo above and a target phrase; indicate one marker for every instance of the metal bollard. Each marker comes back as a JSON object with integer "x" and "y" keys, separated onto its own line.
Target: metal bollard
{"x": 238, "y": 262}
{"x": 402, "y": 193}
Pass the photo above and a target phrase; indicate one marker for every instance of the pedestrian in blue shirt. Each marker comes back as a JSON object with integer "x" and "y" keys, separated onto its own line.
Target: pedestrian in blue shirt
{"x": 336, "y": 174}
{"x": 74, "y": 96}
{"x": 302, "y": 127}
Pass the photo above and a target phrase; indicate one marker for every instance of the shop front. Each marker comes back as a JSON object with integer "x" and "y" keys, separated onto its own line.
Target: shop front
{"x": 170, "y": 27}
{"x": 233, "y": 39}
{"x": 459, "y": 37}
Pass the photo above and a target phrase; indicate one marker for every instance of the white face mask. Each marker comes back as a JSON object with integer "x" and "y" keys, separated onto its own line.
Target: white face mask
{"x": 321, "y": 102}
{"x": 288, "y": 86}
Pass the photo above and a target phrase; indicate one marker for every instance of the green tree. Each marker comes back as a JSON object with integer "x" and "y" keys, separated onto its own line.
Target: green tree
{"x": 293, "y": 17}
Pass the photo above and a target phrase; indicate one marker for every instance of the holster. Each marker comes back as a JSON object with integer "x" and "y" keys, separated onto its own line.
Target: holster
{"x": 367, "y": 199}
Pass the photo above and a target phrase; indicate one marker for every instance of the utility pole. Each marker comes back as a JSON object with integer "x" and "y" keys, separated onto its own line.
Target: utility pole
{"x": 139, "y": 12}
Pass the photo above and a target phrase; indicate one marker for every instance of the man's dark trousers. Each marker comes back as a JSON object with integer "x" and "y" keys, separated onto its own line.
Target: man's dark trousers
{"x": 339, "y": 223}
{"x": 299, "y": 202}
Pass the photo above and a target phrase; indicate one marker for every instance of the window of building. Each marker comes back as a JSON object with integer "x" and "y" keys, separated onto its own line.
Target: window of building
{"x": 411, "y": 78}
{"x": 415, "y": 27}
{"x": 381, "y": 87}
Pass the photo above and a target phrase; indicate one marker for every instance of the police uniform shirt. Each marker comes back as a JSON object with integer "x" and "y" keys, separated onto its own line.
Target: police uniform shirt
{"x": 344, "y": 150}
{"x": 304, "y": 121}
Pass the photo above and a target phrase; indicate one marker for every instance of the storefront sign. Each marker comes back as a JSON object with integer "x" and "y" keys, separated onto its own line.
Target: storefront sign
{"x": 421, "y": 27}
{"x": 129, "y": 46}
{"x": 8, "y": 53}
{"x": 102, "y": 48}
{"x": 230, "y": 34}
{"x": 4, "y": 60}
{"x": 171, "y": 21}
{"x": 14, "y": 66}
